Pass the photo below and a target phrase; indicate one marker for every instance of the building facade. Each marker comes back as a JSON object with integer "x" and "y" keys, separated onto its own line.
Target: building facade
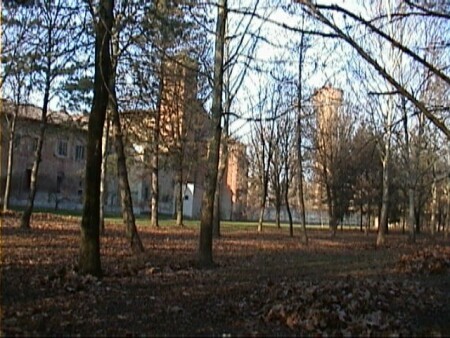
{"x": 185, "y": 129}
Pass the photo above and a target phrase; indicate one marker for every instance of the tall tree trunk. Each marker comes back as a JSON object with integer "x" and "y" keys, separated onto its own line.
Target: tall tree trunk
{"x": 369, "y": 211}
{"x": 278, "y": 215}
{"x": 89, "y": 260}
{"x": 262, "y": 208}
{"x": 332, "y": 221}
{"x": 103, "y": 176}
{"x": 179, "y": 198}
{"x": 126, "y": 200}
{"x": 154, "y": 207}
{"x": 154, "y": 219}
{"x": 12, "y": 134}
{"x": 288, "y": 210}
{"x": 447, "y": 220}
{"x": 411, "y": 216}
{"x": 205, "y": 245}
{"x": 361, "y": 205}
{"x": 383, "y": 220}
{"x": 25, "y": 219}
{"x": 216, "y": 212}
{"x": 433, "y": 220}
{"x": 223, "y": 161}
{"x": 300, "y": 190}
{"x": 410, "y": 177}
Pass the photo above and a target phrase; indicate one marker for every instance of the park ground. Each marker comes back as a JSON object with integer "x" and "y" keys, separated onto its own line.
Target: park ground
{"x": 264, "y": 284}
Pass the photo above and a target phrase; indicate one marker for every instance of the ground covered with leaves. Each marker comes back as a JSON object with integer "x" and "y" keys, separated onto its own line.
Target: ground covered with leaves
{"x": 264, "y": 284}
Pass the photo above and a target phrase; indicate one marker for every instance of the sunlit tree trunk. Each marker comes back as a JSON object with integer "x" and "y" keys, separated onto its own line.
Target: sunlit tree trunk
{"x": 103, "y": 182}
{"x": 179, "y": 197}
{"x": 433, "y": 220}
{"x": 205, "y": 245}
{"x": 383, "y": 221}
{"x": 12, "y": 134}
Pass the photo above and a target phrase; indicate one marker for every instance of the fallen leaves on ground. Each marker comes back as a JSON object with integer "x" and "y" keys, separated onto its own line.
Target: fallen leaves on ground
{"x": 431, "y": 260}
{"x": 265, "y": 284}
{"x": 350, "y": 307}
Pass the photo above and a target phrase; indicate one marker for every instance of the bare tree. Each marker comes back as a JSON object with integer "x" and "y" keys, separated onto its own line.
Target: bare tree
{"x": 316, "y": 12}
{"x": 205, "y": 245}
{"x": 125, "y": 192}
{"x": 54, "y": 50}
{"x": 89, "y": 259}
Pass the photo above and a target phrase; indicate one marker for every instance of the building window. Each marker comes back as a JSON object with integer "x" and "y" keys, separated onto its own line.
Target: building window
{"x": 62, "y": 148}
{"x": 79, "y": 152}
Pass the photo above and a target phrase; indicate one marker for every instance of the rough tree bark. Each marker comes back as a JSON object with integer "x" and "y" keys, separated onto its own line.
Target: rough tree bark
{"x": 205, "y": 257}
{"x": 89, "y": 259}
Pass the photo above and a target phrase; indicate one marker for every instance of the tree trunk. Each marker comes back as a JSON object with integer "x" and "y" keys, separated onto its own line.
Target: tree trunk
{"x": 433, "y": 220}
{"x": 12, "y": 134}
{"x": 301, "y": 193}
{"x": 411, "y": 216}
{"x": 361, "y": 216}
{"x": 223, "y": 160}
{"x": 261, "y": 216}
{"x": 410, "y": 177}
{"x": 447, "y": 220}
{"x": 332, "y": 221}
{"x": 103, "y": 176}
{"x": 383, "y": 221}
{"x": 369, "y": 211}
{"x": 26, "y": 216}
{"x": 155, "y": 189}
{"x": 216, "y": 212}
{"x": 126, "y": 200}
{"x": 89, "y": 260}
{"x": 382, "y": 224}
{"x": 205, "y": 245}
{"x": 179, "y": 199}
{"x": 288, "y": 210}
{"x": 124, "y": 186}
{"x": 278, "y": 216}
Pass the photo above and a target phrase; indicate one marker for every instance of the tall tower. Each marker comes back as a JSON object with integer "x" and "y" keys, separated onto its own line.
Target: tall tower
{"x": 179, "y": 105}
{"x": 327, "y": 101}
